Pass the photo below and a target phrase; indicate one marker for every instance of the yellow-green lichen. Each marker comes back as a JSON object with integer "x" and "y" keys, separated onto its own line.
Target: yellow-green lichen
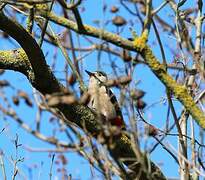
{"x": 151, "y": 60}
{"x": 125, "y": 138}
{"x": 4, "y": 55}
{"x": 42, "y": 6}
{"x": 140, "y": 42}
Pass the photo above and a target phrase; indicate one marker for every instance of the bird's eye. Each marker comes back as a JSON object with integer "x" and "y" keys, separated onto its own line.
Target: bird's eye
{"x": 100, "y": 75}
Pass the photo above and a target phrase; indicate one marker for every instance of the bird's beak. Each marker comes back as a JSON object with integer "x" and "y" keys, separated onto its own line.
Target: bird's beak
{"x": 89, "y": 73}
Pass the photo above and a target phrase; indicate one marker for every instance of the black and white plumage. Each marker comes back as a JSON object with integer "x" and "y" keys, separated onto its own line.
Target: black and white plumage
{"x": 102, "y": 99}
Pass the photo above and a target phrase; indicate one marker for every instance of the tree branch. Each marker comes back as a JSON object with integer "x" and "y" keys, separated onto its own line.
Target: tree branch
{"x": 16, "y": 60}
{"x": 42, "y": 78}
{"x": 140, "y": 46}
{"x": 33, "y": 61}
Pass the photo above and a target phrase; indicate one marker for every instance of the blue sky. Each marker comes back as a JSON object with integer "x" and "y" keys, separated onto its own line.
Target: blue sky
{"x": 77, "y": 166}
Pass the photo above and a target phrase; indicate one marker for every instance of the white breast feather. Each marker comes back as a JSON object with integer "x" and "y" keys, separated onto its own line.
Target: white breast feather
{"x": 100, "y": 101}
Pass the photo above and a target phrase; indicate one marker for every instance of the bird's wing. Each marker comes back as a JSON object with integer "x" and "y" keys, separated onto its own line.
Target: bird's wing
{"x": 119, "y": 119}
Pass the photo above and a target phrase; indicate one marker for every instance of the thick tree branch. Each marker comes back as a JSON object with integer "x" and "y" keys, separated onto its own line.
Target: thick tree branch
{"x": 42, "y": 77}
{"x": 16, "y": 60}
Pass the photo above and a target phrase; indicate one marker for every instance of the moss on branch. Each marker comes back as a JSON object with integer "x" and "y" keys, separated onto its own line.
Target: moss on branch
{"x": 16, "y": 60}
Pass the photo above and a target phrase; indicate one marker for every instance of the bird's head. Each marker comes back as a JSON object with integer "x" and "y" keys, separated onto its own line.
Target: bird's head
{"x": 98, "y": 76}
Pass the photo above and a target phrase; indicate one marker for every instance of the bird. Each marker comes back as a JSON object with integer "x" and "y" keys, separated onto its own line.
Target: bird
{"x": 102, "y": 99}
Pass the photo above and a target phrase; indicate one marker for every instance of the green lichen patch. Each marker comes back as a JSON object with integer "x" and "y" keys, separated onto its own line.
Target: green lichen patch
{"x": 140, "y": 42}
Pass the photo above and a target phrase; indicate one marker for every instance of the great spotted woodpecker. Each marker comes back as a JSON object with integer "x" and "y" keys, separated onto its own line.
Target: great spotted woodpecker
{"x": 102, "y": 100}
